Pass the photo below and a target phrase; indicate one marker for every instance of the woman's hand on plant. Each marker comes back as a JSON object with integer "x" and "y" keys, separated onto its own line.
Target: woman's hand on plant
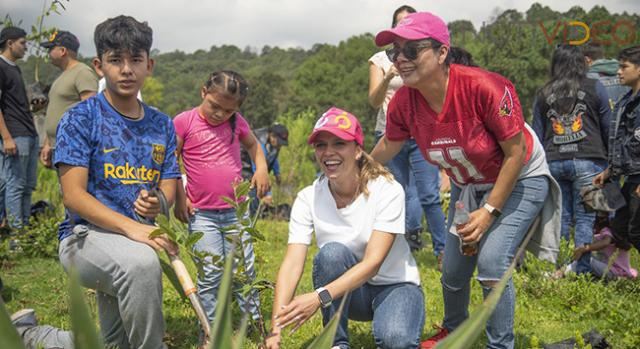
{"x": 260, "y": 181}
{"x": 479, "y": 222}
{"x": 146, "y": 205}
{"x": 298, "y": 311}
{"x": 273, "y": 340}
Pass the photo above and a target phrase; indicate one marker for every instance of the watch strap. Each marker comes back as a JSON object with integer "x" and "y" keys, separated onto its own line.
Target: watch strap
{"x": 492, "y": 210}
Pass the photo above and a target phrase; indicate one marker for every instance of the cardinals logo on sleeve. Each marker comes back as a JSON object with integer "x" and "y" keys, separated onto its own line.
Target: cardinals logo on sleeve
{"x": 506, "y": 103}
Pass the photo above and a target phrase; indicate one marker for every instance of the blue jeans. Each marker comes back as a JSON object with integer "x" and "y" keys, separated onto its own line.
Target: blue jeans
{"x": 421, "y": 183}
{"x": 216, "y": 242}
{"x": 20, "y": 177}
{"x": 397, "y": 310}
{"x": 497, "y": 249}
{"x": 572, "y": 175}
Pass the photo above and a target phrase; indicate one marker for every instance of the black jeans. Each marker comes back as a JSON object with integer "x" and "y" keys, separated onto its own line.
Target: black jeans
{"x": 626, "y": 222}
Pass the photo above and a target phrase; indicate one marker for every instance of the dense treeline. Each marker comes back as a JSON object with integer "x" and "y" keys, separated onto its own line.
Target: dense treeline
{"x": 517, "y": 45}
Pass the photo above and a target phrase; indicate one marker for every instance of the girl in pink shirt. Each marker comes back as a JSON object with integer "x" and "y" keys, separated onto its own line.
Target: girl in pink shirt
{"x": 208, "y": 141}
{"x": 604, "y": 250}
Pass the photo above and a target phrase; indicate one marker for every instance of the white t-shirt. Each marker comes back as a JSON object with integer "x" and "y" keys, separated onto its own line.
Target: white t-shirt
{"x": 315, "y": 210}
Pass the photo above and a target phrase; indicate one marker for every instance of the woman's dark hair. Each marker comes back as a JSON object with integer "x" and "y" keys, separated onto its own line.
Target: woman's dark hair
{"x": 630, "y": 54}
{"x": 232, "y": 84}
{"x": 403, "y": 8}
{"x": 458, "y": 55}
{"x": 568, "y": 70}
{"x": 123, "y": 33}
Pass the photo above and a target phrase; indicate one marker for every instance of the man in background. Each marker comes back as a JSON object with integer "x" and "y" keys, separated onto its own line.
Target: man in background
{"x": 76, "y": 83}
{"x": 604, "y": 70}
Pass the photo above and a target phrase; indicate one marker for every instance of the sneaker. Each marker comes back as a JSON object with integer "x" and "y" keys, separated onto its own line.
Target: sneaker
{"x": 23, "y": 320}
{"x": 414, "y": 240}
{"x": 24, "y": 317}
{"x": 432, "y": 341}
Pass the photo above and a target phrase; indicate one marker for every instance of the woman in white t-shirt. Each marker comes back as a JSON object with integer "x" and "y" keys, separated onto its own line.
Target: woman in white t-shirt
{"x": 356, "y": 210}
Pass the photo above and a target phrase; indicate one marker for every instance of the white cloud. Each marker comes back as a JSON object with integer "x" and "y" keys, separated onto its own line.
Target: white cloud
{"x": 199, "y": 24}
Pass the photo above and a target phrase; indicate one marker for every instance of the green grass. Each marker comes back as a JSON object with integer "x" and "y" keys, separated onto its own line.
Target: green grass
{"x": 546, "y": 310}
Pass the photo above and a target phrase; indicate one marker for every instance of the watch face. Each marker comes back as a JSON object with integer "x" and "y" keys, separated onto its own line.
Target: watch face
{"x": 325, "y": 298}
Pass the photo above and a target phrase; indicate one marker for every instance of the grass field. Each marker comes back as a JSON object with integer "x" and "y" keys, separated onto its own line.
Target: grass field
{"x": 547, "y": 310}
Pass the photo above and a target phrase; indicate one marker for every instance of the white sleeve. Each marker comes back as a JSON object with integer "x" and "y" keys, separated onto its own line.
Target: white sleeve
{"x": 389, "y": 210}
{"x": 301, "y": 220}
{"x": 377, "y": 60}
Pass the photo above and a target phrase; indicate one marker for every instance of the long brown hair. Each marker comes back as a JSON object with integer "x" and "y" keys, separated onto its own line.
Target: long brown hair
{"x": 370, "y": 170}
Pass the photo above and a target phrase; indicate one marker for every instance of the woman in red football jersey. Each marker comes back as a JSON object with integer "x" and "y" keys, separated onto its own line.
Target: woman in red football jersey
{"x": 469, "y": 122}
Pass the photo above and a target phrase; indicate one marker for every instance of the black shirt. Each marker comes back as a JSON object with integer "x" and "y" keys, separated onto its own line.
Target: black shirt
{"x": 14, "y": 103}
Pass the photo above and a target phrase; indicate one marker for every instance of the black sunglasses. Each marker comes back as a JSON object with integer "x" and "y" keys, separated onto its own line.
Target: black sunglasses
{"x": 410, "y": 50}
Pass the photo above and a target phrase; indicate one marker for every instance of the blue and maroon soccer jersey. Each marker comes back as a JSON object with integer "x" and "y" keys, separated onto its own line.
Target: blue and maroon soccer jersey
{"x": 481, "y": 108}
{"x": 123, "y": 155}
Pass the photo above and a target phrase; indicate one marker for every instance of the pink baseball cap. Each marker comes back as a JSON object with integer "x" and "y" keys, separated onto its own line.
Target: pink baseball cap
{"x": 416, "y": 26}
{"x": 341, "y": 124}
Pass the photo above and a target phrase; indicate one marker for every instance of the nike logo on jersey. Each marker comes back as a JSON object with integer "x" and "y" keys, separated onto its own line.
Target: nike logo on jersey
{"x": 109, "y": 150}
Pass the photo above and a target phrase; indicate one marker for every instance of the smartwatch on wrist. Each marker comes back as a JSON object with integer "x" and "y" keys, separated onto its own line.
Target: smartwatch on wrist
{"x": 325, "y": 297}
{"x": 492, "y": 210}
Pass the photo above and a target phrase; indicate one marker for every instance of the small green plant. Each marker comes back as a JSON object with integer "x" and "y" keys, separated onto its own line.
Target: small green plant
{"x": 40, "y": 239}
{"x": 250, "y": 289}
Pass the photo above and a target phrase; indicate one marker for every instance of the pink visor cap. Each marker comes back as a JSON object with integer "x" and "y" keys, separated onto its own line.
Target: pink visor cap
{"x": 416, "y": 26}
{"x": 341, "y": 124}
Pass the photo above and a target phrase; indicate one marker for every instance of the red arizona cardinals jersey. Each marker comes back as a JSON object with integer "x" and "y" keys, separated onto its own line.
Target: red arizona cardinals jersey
{"x": 481, "y": 108}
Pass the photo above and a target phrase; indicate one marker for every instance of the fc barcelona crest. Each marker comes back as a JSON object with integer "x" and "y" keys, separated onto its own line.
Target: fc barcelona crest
{"x": 158, "y": 153}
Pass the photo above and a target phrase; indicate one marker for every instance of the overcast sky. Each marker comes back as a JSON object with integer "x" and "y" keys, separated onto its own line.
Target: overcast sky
{"x": 199, "y": 24}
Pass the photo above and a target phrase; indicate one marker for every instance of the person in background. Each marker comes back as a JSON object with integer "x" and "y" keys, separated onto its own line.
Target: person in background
{"x": 624, "y": 152}
{"x": 356, "y": 211}
{"x": 76, "y": 83}
{"x": 271, "y": 139}
{"x": 604, "y": 70}
{"x": 420, "y": 180}
{"x": 19, "y": 145}
{"x": 602, "y": 250}
{"x": 571, "y": 118}
{"x": 469, "y": 121}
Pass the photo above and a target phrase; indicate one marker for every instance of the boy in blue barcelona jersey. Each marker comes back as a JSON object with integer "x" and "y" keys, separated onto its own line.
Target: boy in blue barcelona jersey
{"x": 111, "y": 150}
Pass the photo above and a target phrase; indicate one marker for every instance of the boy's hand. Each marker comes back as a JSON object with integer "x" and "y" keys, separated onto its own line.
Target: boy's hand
{"x": 140, "y": 233}
{"x": 146, "y": 205}
{"x": 183, "y": 210}
{"x": 260, "y": 181}
{"x": 9, "y": 146}
{"x": 602, "y": 177}
{"x": 45, "y": 156}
